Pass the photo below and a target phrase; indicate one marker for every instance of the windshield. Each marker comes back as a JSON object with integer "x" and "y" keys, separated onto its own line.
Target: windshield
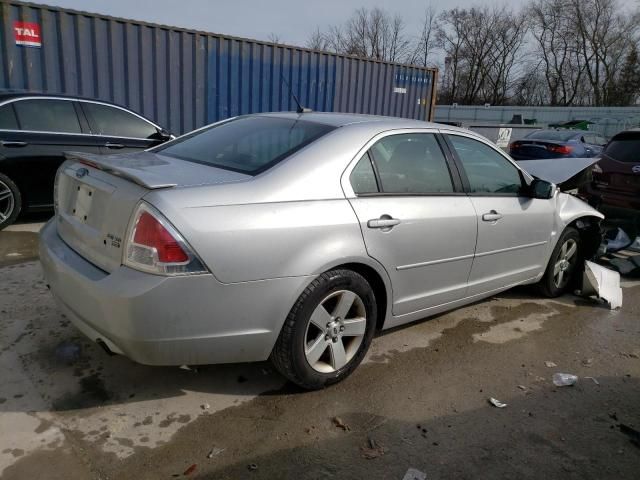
{"x": 560, "y": 136}
{"x": 248, "y": 145}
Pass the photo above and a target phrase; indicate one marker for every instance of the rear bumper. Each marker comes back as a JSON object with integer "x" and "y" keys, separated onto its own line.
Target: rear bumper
{"x": 158, "y": 320}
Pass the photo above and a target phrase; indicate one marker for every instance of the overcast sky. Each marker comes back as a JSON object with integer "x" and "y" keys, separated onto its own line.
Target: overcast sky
{"x": 291, "y": 20}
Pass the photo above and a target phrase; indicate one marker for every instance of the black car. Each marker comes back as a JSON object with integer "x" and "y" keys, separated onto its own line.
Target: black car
{"x": 36, "y": 130}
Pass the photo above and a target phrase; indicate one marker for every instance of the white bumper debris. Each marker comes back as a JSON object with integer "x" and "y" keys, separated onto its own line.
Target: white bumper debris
{"x": 603, "y": 283}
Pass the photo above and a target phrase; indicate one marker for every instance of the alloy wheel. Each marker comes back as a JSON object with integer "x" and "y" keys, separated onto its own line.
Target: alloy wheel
{"x": 335, "y": 331}
{"x": 7, "y": 202}
{"x": 565, "y": 263}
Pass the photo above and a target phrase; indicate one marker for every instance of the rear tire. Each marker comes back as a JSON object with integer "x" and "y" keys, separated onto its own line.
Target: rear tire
{"x": 10, "y": 201}
{"x": 563, "y": 265}
{"x": 328, "y": 331}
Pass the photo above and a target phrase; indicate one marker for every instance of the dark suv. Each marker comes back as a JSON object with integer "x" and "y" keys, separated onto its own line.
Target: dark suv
{"x": 35, "y": 130}
{"x": 615, "y": 189}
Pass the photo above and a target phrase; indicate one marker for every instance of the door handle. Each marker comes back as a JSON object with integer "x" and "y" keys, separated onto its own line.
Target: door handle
{"x": 113, "y": 145}
{"x": 384, "y": 222}
{"x": 492, "y": 216}
{"x": 5, "y": 143}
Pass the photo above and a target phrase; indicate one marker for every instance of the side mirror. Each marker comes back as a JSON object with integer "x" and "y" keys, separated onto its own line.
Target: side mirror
{"x": 541, "y": 189}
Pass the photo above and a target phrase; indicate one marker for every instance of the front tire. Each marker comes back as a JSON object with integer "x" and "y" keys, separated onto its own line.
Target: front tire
{"x": 563, "y": 265}
{"x": 10, "y": 201}
{"x": 328, "y": 331}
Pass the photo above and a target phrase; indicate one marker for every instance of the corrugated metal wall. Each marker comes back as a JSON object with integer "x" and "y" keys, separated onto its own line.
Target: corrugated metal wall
{"x": 184, "y": 79}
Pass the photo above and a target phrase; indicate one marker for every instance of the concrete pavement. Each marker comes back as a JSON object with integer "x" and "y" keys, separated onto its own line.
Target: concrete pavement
{"x": 67, "y": 410}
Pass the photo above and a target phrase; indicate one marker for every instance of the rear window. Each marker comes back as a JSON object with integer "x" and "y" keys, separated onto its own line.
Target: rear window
{"x": 247, "y": 144}
{"x": 624, "y": 150}
{"x": 558, "y": 136}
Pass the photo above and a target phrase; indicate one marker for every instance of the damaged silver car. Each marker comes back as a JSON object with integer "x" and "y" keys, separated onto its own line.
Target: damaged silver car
{"x": 295, "y": 237}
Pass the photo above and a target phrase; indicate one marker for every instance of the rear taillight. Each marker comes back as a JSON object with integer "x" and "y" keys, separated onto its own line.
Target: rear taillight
{"x": 513, "y": 146}
{"x": 155, "y": 246}
{"x": 561, "y": 149}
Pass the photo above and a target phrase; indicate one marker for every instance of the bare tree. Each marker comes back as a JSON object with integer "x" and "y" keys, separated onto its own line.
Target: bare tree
{"x": 507, "y": 39}
{"x": 481, "y": 46}
{"x": 557, "y": 52}
{"x": 605, "y": 33}
{"x": 426, "y": 42}
{"x": 367, "y": 33}
{"x": 449, "y": 38}
{"x": 317, "y": 41}
{"x": 530, "y": 88}
{"x": 274, "y": 38}
{"x": 556, "y": 44}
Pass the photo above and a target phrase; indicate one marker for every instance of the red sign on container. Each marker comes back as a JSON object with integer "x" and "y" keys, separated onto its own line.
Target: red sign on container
{"x": 27, "y": 34}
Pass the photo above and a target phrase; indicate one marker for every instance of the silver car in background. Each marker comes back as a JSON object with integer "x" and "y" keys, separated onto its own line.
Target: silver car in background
{"x": 295, "y": 237}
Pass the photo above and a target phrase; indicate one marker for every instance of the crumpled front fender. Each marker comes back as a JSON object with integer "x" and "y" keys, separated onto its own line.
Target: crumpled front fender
{"x": 571, "y": 208}
{"x": 579, "y": 214}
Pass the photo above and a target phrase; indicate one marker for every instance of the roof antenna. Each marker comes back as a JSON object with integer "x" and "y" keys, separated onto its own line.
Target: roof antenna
{"x": 300, "y": 108}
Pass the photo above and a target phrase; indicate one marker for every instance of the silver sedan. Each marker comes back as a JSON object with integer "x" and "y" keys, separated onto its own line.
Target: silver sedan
{"x": 295, "y": 237}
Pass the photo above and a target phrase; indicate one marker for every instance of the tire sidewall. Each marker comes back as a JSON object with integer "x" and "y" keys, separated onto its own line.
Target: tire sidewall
{"x": 332, "y": 281}
{"x": 554, "y": 291}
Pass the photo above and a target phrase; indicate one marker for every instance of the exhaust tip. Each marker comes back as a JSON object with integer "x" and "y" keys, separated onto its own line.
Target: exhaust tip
{"x": 105, "y": 347}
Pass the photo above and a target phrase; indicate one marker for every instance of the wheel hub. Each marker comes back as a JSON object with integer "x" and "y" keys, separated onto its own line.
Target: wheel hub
{"x": 334, "y": 329}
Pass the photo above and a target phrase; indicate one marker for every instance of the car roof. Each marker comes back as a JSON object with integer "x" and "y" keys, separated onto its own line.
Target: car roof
{"x": 16, "y": 94}
{"x": 344, "y": 119}
{"x": 632, "y": 133}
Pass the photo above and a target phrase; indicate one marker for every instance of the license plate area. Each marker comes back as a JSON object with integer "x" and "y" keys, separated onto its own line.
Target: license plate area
{"x": 81, "y": 209}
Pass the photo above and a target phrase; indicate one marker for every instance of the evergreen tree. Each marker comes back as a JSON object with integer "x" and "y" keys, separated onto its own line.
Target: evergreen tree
{"x": 628, "y": 84}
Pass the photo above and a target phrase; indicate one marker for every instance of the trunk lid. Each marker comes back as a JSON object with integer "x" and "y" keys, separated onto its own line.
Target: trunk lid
{"x": 539, "y": 149}
{"x": 95, "y": 197}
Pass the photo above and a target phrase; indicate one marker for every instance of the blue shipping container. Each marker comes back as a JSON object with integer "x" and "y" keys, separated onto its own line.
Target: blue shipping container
{"x": 184, "y": 79}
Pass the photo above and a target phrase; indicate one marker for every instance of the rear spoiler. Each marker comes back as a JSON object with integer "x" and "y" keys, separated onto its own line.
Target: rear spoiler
{"x": 128, "y": 167}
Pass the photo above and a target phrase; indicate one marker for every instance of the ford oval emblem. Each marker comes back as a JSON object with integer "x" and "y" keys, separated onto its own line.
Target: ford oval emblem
{"x": 82, "y": 172}
{"x": 635, "y": 169}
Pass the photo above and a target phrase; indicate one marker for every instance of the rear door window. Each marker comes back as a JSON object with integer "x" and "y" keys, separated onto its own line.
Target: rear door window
{"x": 412, "y": 163}
{"x": 47, "y": 115}
{"x": 363, "y": 177}
{"x": 115, "y": 122}
{"x": 8, "y": 118}
{"x": 488, "y": 172}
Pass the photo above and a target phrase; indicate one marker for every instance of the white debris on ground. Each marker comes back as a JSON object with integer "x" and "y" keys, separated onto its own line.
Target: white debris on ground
{"x": 497, "y": 403}
{"x": 603, "y": 283}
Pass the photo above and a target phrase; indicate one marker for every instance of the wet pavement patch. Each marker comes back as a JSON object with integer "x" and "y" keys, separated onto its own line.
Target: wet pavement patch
{"x": 68, "y": 352}
{"x": 92, "y": 392}
{"x": 17, "y": 247}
